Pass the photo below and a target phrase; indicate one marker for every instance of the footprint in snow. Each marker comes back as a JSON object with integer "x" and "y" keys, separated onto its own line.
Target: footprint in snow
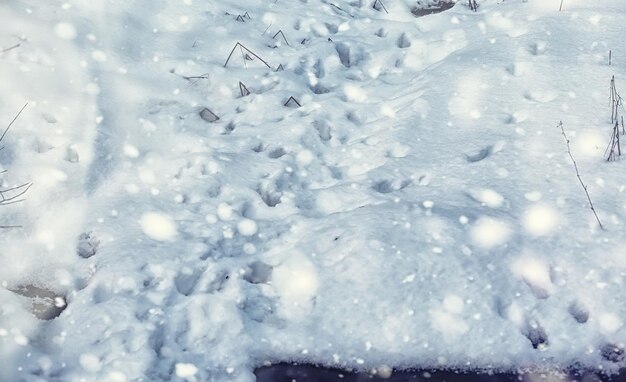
{"x": 386, "y": 186}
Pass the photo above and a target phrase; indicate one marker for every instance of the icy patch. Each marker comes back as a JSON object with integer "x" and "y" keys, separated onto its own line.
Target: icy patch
{"x": 158, "y": 226}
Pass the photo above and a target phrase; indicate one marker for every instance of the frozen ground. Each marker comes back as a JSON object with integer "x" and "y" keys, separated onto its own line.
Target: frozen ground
{"x": 418, "y": 209}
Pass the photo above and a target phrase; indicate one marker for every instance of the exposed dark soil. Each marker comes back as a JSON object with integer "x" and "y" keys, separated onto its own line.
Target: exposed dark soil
{"x": 425, "y": 11}
{"x": 286, "y": 372}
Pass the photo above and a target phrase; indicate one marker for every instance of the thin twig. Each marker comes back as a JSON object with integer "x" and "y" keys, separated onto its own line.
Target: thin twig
{"x": 613, "y": 144}
{"x": 268, "y": 27}
{"x": 195, "y": 79}
{"x": 381, "y": 4}
{"x": 202, "y": 77}
{"x": 14, "y": 119}
{"x": 243, "y": 56}
{"x": 561, "y": 6}
{"x": 14, "y": 199}
{"x": 11, "y": 47}
{"x": 569, "y": 152}
{"x": 238, "y": 44}
{"x": 292, "y": 99}
{"x": 243, "y": 89}
{"x": 282, "y": 34}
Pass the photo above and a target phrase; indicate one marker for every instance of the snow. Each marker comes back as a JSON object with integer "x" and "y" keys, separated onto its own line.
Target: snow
{"x": 540, "y": 220}
{"x": 65, "y": 31}
{"x": 158, "y": 226}
{"x": 488, "y": 232}
{"x": 247, "y": 227}
{"x": 418, "y": 209}
{"x": 186, "y": 370}
{"x": 90, "y": 362}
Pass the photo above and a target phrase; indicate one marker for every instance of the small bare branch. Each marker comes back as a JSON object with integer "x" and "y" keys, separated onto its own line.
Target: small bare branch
{"x": 282, "y": 34}
{"x": 204, "y": 76}
{"x": 14, "y": 119}
{"x": 11, "y": 47}
{"x": 569, "y": 152}
{"x": 12, "y": 195}
{"x": 377, "y": 3}
{"x": 242, "y": 48}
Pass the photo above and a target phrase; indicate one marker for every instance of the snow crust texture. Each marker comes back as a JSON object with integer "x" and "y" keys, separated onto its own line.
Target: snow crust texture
{"x": 218, "y": 185}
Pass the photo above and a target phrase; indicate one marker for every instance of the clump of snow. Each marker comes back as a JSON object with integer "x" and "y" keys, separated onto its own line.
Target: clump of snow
{"x": 488, "y": 197}
{"x": 185, "y": 370}
{"x": 247, "y": 227}
{"x": 90, "y": 362}
{"x": 158, "y": 226}
{"x": 224, "y": 211}
{"x": 609, "y": 323}
{"x": 540, "y": 220}
{"x": 489, "y": 232}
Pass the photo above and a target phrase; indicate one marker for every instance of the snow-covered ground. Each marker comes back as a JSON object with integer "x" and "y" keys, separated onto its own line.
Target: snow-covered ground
{"x": 413, "y": 205}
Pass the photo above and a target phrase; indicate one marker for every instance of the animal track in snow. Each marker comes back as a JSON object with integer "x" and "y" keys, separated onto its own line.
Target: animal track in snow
{"x": 259, "y": 307}
{"x": 578, "y": 312}
{"x": 87, "y": 245}
{"x": 536, "y": 274}
{"x": 386, "y": 186}
{"x": 537, "y": 48}
{"x": 258, "y": 273}
{"x": 612, "y": 352}
{"x": 349, "y": 55}
{"x": 186, "y": 280}
{"x": 485, "y": 152}
{"x": 479, "y": 155}
{"x": 270, "y": 196}
{"x": 403, "y": 41}
{"x": 535, "y": 333}
{"x": 324, "y": 130}
{"x": 277, "y": 153}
